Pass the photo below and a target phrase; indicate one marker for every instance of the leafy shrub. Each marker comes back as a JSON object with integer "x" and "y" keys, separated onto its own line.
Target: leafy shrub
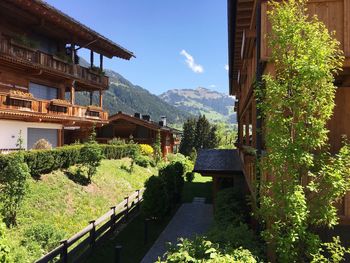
{"x": 119, "y": 151}
{"x": 173, "y": 176}
{"x": 46, "y": 161}
{"x": 155, "y": 198}
{"x": 183, "y": 159}
{"x": 117, "y": 141}
{"x": 45, "y": 235}
{"x": 91, "y": 156}
{"x": 231, "y": 207}
{"x": 42, "y": 144}
{"x": 202, "y": 250}
{"x": 142, "y": 160}
{"x": 232, "y": 237}
{"x": 4, "y": 248}
{"x": 13, "y": 185}
{"x": 146, "y": 149}
{"x": 189, "y": 176}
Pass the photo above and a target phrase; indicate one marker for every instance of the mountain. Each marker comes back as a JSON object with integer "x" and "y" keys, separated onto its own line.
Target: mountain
{"x": 216, "y": 106}
{"x": 124, "y": 96}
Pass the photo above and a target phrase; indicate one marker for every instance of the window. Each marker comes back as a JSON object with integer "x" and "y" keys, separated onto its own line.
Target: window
{"x": 43, "y": 92}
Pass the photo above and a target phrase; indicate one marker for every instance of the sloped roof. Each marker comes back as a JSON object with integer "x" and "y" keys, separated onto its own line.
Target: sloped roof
{"x": 218, "y": 161}
{"x": 80, "y": 33}
{"x": 149, "y": 124}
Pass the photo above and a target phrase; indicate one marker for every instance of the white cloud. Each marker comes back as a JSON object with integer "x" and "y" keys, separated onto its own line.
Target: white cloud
{"x": 212, "y": 86}
{"x": 226, "y": 67}
{"x": 196, "y": 68}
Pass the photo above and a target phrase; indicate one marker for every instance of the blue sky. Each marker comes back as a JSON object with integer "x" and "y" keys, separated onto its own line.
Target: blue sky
{"x": 178, "y": 44}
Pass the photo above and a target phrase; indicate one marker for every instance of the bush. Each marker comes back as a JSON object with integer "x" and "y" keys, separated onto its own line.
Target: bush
{"x": 147, "y": 149}
{"x": 142, "y": 161}
{"x": 4, "y": 248}
{"x": 230, "y": 207}
{"x": 42, "y": 144}
{"x": 173, "y": 176}
{"x": 117, "y": 141}
{"x": 233, "y": 237}
{"x": 13, "y": 185}
{"x": 45, "y": 235}
{"x": 189, "y": 176}
{"x": 202, "y": 250}
{"x": 155, "y": 198}
{"x": 46, "y": 161}
{"x": 91, "y": 156}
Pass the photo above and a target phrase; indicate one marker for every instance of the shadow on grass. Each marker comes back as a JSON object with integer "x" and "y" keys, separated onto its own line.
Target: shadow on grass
{"x": 77, "y": 177}
{"x": 197, "y": 189}
{"x": 131, "y": 238}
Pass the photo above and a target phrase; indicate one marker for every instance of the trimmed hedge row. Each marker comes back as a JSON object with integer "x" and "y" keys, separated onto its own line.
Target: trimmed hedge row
{"x": 46, "y": 161}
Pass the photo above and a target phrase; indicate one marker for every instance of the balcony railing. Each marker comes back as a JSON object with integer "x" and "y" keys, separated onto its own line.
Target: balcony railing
{"x": 51, "y": 108}
{"x": 50, "y": 62}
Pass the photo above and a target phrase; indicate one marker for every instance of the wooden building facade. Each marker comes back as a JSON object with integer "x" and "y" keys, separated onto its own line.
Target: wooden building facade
{"x": 249, "y": 60}
{"x": 40, "y": 73}
{"x": 141, "y": 129}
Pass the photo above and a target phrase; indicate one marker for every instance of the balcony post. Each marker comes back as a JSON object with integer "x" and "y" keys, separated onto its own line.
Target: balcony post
{"x": 101, "y": 62}
{"x": 91, "y": 58}
{"x": 91, "y": 94}
{"x": 72, "y": 94}
{"x": 72, "y": 51}
{"x": 101, "y": 98}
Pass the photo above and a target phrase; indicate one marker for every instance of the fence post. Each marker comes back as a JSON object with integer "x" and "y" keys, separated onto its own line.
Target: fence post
{"x": 127, "y": 209}
{"x": 64, "y": 254}
{"x": 113, "y": 219}
{"x": 138, "y": 200}
{"x": 92, "y": 234}
{"x": 118, "y": 249}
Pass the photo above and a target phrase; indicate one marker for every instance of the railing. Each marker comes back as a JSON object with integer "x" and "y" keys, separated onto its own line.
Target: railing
{"x": 82, "y": 243}
{"x": 47, "y": 61}
{"x": 8, "y": 102}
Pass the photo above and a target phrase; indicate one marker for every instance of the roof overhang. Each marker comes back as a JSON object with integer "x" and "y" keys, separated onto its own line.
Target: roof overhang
{"x": 240, "y": 19}
{"x": 72, "y": 30}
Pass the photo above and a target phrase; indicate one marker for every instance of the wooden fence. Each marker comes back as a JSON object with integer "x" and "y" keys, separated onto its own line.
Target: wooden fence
{"x": 80, "y": 245}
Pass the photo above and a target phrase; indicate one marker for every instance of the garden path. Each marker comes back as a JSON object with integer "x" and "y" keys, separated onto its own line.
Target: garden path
{"x": 190, "y": 219}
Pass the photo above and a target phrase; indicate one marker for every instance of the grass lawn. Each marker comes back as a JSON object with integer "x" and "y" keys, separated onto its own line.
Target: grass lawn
{"x": 132, "y": 237}
{"x": 57, "y": 201}
{"x": 200, "y": 187}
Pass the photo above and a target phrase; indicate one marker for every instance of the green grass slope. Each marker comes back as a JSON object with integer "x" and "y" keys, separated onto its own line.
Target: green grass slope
{"x": 68, "y": 207}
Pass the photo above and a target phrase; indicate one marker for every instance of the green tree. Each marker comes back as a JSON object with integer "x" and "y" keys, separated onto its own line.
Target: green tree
{"x": 13, "y": 186}
{"x": 91, "y": 156}
{"x": 188, "y": 137}
{"x": 202, "y": 133}
{"x": 296, "y": 104}
{"x": 157, "y": 148}
{"x": 212, "y": 141}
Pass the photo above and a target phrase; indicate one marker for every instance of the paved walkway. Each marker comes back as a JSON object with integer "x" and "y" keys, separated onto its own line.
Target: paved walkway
{"x": 190, "y": 219}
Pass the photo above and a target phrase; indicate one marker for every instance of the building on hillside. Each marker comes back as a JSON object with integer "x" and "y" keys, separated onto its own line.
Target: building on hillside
{"x": 141, "y": 129}
{"x": 39, "y": 69}
{"x": 249, "y": 60}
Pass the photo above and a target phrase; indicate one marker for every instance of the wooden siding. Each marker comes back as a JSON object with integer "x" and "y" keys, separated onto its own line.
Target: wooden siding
{"x": 335, "y": 14}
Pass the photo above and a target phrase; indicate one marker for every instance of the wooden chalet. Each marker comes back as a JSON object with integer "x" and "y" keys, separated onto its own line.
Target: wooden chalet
{"x": 141, "y": 129}
{"x": 40, "y": 74}
{"x": 249, "y": 59}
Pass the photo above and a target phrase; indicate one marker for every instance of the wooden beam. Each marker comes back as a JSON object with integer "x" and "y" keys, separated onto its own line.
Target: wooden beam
{"x": 91, "y": 58}
{"x": 91, "y": 95}
{"x": 72, "y": 94}
{"x": 101, "y": 62}
{"x": 101, "y": 98}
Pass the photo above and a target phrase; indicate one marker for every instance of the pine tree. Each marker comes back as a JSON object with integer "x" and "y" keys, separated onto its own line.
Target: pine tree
{"x": 188, "y": 138}
{"x": 213, "y": 141}
{"x": 202, "y": 132}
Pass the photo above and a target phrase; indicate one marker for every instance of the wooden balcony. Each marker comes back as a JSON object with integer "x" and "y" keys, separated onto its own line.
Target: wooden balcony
{"x": 21, "y": 54}
{"x": 15, "y": 106}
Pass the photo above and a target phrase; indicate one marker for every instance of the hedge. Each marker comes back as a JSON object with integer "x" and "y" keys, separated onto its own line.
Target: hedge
{"x": 46, "y": 161}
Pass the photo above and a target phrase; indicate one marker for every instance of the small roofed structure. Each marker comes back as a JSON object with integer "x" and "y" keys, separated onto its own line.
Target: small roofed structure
{"x": 224, "y": 166}
{"x": 142, "y": 130}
